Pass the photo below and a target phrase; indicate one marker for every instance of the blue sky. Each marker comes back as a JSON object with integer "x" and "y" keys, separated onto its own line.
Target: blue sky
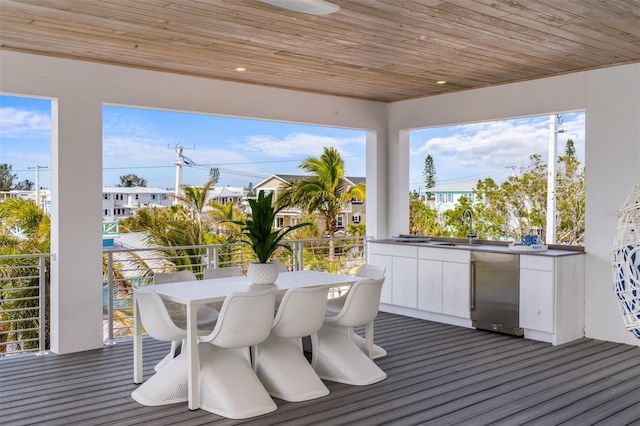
{"x": 143, "y": 142}
{"x": 469, "y": 152}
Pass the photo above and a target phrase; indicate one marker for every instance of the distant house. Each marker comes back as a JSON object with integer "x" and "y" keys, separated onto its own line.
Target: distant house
{"x": 447, "y": 196}
{"x": 353, "y": 212}
{"x": 227, "y": 194}
{"x": 19, "y": 194}
{"x": 121, "y": 202}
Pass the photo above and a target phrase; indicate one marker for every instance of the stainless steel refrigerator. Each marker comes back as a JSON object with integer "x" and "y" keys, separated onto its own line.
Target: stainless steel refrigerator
{"x": 495, "y": 292}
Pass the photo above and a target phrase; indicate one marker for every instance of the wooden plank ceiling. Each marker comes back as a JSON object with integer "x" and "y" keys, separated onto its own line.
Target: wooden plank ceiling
{"x": 383, "y": 50}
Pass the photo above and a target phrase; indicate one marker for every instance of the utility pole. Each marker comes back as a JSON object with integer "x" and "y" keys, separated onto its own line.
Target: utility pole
{"x": 179, "y": 162}
{"x": 181, "y": 159}
{"x": 551, "y": 180}
{"x": 38, "y": 201}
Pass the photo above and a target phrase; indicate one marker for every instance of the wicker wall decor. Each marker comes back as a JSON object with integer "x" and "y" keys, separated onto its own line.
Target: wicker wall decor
{"x": 626, "y": 261}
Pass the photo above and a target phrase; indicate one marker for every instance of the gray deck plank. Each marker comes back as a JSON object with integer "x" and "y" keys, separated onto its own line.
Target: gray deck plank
{"x": 436, "y": 373}
{"x": 453, "y": 392}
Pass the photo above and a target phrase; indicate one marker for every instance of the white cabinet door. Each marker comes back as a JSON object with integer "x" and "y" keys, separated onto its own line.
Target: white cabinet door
{"x": 430, "y": 285}
{"x": 405, "y": 282}
{"x": 387, "y": 262}
{"x": 455, "y": 289}
{"x": 537, "y": 300}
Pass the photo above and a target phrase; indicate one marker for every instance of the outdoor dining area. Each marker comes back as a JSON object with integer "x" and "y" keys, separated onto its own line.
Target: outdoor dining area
{"x": 235, "y": 344}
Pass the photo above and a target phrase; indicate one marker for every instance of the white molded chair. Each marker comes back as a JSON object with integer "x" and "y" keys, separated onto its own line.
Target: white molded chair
{"x": 159, "y": 325}
{"x": 173, "y": 277}
{"x": 279, "y": 361}
{"x": 335, "y": 356}
{"x": 371, "y": 271}
{"x": 207, "y": 314}
{"x": 228, "y": 271}
{"x": 281, "y": 267}
{"x": 335, "y": 305}
{"x": 228, "y": 385}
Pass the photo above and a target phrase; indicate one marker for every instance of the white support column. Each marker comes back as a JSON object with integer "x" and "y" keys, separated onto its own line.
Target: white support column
{"x": 551, "y": 180}
{"x": 398, "y": 186}
{"x": 376, "y": 214}
{"x": 76, "y": 234}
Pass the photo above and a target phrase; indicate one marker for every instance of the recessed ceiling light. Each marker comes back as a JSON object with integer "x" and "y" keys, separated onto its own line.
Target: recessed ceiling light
{"x": 441, "y": 82}
{"x": 241, "y": 69}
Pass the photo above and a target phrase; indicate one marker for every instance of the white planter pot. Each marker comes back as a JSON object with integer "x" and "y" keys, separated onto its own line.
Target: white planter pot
{"x": 263, "y": 273}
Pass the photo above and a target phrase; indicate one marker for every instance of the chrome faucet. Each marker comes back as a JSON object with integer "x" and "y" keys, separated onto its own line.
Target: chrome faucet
{"x": 471, "y": 234}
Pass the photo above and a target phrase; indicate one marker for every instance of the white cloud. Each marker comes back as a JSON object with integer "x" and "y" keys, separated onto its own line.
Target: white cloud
{"x": 476, "y": 151}
{"x": 297, "y": 144}
{"x": 20, "y": 123}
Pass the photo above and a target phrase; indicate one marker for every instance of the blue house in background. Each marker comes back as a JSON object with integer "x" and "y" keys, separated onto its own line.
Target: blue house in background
{"x": 445, "y": 197}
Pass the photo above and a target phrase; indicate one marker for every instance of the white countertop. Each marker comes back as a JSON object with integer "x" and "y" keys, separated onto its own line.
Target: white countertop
{"x": 496, "y": 248}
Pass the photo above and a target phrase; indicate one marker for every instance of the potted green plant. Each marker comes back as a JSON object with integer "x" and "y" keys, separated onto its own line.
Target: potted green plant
{"x": 259, "y": 233}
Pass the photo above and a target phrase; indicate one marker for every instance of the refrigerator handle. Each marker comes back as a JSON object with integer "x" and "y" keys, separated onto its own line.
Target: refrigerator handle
{"x": 472, "y": 286}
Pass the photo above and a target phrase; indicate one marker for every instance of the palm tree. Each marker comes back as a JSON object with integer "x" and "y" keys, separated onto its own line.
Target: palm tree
{"x": 194, "y": 199}
{"x": 224, "y": 214}
{"x": 24, "y": 229}
{"x": 325, "y": 191}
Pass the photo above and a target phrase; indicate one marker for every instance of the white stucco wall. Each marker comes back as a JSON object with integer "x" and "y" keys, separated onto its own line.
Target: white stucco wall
{"x": 613, "y": 167}
{"x": 611, "y": 99}
{"x": 79, "y": 89}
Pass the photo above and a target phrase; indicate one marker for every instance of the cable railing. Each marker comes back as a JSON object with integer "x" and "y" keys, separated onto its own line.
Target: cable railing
{"x": 24, "y": 281}
{"x": 127, "y": 268}
{"x": 23, "y": 304}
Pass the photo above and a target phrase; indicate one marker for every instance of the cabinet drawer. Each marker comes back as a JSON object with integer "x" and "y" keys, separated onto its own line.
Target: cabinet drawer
{"x": 444, "y": 255}
{"x": 393, "y": 250}
{"x": 538, "y": 263}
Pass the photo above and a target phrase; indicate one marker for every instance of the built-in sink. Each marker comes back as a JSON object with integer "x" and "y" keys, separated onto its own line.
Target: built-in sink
{"x": 447, "y": 244}
{"x": 428, "y": 242}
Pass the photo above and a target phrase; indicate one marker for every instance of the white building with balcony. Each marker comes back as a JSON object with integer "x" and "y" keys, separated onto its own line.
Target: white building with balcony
{"x": 121, "y": 202}
{"x": 23, "y": 194}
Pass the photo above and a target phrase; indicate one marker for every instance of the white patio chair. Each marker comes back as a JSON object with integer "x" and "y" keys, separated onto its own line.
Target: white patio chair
{"x": 228, "y": 271}
{"x": 335, "y": 357}
{"x": 173, "y": 277}
{"x": 335, "y": 305}
{"x": 281, "y": 267}
{"x": 159, "y": 325}
{"x": 279, "y": 361}
{"x": 207, "y": 314}
{"x": 228, "y": 385}
{"x": 371, "y": 271}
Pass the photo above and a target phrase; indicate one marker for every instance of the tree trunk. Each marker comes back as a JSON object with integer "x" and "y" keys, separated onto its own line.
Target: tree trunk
{"x": 330, "y": 222}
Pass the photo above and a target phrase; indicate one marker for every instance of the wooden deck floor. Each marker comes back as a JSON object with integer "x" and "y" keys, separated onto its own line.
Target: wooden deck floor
{"x": 437, "y": 375}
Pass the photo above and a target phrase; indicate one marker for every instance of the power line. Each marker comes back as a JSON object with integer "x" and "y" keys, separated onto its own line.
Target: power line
{"x": 223, "y": 164}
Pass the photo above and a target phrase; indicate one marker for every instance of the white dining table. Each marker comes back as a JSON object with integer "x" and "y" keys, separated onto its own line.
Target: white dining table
{"x": 199, "y": 292}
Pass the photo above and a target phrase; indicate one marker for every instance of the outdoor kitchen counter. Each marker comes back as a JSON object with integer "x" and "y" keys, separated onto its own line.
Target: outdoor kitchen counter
{"x": 480, "y": 245}
{"x": 434, "y": 280}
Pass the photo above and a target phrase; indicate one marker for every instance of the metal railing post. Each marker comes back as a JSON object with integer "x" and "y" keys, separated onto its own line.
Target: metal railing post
{"x": 215, "y": 256}
{"x": 365, "y": 249}
{"x": 294, "y": 257}
{"x": 208, "y": 257}
{"x": 110, "y": 340}
{"x": 300, "y": 256}
{"x": 42, "y": 266}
